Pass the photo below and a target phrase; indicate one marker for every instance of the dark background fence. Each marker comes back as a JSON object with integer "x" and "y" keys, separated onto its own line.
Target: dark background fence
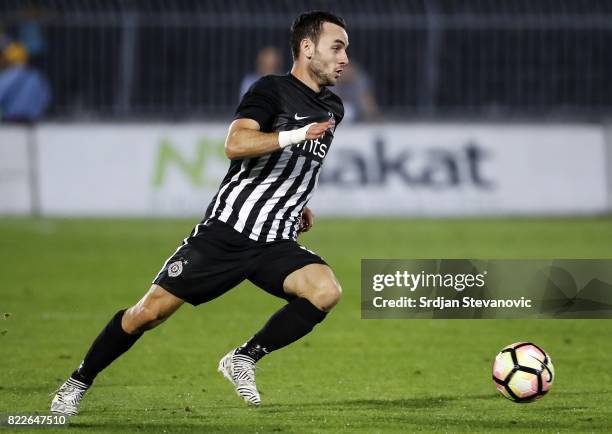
{"x": 430, "y": 59}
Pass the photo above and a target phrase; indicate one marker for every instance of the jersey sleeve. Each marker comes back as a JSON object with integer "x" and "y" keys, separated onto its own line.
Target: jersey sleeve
{"x": 340, "y": 114}
{"x": 260, "y": 103}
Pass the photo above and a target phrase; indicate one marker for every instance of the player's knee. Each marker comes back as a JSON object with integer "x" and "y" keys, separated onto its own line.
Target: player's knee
{"x": 141, "y": 318}
{"x": 326, "y": 295}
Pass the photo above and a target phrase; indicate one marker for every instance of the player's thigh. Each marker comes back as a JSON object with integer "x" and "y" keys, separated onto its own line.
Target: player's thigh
{"x": 153, "y": 308}
{"x": 315, "y": 282}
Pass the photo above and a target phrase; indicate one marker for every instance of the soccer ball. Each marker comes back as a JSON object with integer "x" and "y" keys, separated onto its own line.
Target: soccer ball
{"x": 523, "y": 372}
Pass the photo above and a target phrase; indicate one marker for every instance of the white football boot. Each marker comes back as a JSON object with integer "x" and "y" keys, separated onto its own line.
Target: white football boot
{"x": 68, "y": 396}
{"x": 240, "y": 371}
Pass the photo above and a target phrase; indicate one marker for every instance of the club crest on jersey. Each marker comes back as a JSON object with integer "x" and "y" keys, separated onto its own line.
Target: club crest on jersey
{"x": 333, "y": 120}
{"x": 175, "y": 269}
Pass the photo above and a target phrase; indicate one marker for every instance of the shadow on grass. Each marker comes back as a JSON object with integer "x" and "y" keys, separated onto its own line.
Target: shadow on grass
{"x": 379, "y": 404}
{"x": 365, "y": 404}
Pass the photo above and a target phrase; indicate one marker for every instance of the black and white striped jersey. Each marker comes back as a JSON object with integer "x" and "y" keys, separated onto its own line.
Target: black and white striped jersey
{"x": 263, "y": 197}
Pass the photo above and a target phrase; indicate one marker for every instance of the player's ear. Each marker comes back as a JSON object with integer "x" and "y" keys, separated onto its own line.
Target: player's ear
{"x": 307, "y": 47}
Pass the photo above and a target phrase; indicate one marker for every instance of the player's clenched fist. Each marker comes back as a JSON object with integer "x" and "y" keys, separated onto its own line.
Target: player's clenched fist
{"x": 306, "y": 220}
{"x": 317, "y": 130}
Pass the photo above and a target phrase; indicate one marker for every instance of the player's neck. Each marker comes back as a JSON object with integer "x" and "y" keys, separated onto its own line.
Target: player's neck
{"x": 302, "y": 74}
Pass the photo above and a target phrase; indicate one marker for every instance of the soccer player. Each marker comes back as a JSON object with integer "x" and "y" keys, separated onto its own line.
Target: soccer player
{"x": 280, "y": 135}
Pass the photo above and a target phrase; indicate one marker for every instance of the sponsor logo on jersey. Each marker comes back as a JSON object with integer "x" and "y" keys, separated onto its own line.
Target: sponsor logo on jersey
{"x": 314, "y": 148}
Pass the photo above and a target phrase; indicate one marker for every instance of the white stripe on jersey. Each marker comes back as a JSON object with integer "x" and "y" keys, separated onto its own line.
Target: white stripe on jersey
{"x": 278, "y": 194}
{"x": 295, "y": 214}
{"x": 258, "y": 191}
{"x": 229, "y": 202}
{"x": 243, "y": 167}
{"x": 291, "y": 202}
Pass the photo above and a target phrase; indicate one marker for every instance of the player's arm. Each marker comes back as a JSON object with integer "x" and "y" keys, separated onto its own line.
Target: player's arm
{"x": 245, "y": 140}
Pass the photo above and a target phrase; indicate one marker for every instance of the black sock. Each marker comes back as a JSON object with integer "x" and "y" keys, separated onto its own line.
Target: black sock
{"x": 110, "y": 344}
{"x": 295, "y": 320}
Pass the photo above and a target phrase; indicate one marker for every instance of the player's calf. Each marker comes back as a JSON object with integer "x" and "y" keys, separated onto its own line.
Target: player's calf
{"x": 155, "y": 307}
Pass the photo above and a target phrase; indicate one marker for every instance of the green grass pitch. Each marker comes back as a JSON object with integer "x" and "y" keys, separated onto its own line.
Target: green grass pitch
{"x": 63, "y": 279}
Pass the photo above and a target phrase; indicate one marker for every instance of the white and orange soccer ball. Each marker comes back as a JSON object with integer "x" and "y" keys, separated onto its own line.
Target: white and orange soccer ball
{"x": 523, "y": 372}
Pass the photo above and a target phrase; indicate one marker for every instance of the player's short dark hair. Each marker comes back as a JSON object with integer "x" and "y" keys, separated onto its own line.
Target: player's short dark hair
{"x": 310, "y": 25}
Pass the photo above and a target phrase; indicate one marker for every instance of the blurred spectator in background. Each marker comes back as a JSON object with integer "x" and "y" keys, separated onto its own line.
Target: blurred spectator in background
{"x": 269, "y": 61}
{"x": 355, "y": 89}
{"x": 4, "y": 41}
{"x": 30, "y": 32}
{"x": 24, "y": 91}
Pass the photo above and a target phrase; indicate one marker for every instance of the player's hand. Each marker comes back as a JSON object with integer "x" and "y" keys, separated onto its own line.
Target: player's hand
{"x": 307, "y": 220}
{"x": 317, "y": 131}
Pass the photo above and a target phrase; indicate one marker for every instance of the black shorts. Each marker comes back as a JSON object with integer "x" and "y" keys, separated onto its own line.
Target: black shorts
{"x": 218, "y": 258}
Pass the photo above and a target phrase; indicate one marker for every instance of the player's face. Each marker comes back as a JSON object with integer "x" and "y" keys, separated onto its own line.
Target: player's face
{"x": 330, "y": 56}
